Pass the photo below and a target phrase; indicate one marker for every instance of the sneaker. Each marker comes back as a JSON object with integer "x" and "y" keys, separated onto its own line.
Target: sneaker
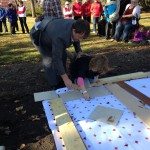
{"x": 130, "y": 42}
{"x": 94, "y": 32}
{"x": 111, "y": 40}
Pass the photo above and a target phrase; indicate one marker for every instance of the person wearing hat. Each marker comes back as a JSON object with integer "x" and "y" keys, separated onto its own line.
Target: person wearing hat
{"x": 67, "y": 11}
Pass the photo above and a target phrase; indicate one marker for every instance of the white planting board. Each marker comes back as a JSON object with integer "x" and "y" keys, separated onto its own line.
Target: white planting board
{"x": 142, "y": 85}
{"x": 130, "y": 134}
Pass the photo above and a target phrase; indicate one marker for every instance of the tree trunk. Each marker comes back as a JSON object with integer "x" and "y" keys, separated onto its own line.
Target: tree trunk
{"x": 33, "y": 8}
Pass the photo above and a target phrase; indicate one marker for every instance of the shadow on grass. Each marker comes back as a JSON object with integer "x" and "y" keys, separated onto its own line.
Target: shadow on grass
{"x": 9, "y": 46}
{"x": 18, "y": 52}
{"x": 145, "y": 18}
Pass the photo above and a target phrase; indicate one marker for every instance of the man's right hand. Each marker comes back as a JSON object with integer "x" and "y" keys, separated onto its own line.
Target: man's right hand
{"x": 68, "y": 82}
{"x": 86, "y": 96}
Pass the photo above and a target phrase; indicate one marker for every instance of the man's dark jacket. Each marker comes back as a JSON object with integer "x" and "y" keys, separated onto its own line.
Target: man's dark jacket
{"x": 54, "y": 40}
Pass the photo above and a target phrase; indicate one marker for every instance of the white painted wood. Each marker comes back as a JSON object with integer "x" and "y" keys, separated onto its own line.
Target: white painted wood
{"x": 97, "y": 91}
{"x": 2, "y": 147}
{"x": 114, "y": 79}
{"x": 52, "y": 125}
{"x": 66, "y": 127}
{"x": 48, "y": 95}
{"x": 93, "y": 92}
{"x": 142, "y": 85}
{"x": 71, "y": 95}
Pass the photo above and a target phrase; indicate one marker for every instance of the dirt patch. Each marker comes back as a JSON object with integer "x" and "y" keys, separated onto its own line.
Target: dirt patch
{"x": 22, "y": 122}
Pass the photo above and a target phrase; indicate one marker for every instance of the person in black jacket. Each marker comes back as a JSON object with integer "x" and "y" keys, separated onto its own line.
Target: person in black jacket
{"x": 58, "y": 35}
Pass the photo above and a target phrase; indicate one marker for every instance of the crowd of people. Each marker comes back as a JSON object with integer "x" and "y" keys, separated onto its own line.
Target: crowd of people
{"x": 13, "y": 13}
{"x": 119, "y": 18}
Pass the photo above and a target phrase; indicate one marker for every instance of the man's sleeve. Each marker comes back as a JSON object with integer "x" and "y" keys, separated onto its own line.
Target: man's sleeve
{"x": 77, "y": 47}
{"x": 57, "y": 56}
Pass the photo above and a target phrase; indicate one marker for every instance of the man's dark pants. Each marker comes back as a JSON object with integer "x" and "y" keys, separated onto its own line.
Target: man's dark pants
{"x": 54, "y": 80}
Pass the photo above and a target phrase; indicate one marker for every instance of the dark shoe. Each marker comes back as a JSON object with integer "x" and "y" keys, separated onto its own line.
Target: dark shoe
{"x": 107, "y": 38}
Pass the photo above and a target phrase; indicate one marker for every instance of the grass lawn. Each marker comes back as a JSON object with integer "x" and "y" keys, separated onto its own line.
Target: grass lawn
{"x": 18, "y": 48}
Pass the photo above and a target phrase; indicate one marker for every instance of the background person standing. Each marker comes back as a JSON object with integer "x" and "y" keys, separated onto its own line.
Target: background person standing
{"x": 77, "y": 9}
{"x": 3, "y": 19}
{"x": 96, "y": 11}
{"x": 12, "y": 17}
{"x": 67, "y": 10}
{"x": 22, "y": 17}
{"x": 86, "y": 7}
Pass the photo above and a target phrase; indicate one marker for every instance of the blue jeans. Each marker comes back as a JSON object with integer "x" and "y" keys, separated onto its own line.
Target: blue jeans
{"x": 51, "y": 74}
{"x": 110, "y": 29}
{"x": 95, "y": 21}
{"x": 122, "y": 30}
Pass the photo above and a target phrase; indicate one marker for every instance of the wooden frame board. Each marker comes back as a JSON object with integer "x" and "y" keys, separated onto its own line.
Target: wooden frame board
{"x": 76, "y": 94}
{"x": 145, "y": 99}
{"x": 48, "y": 95}
{"x": 71, "y": 95}
{"x": 114, "y": 79}
{"x": 132, "y": 102}
{"x": 66, "y": 127}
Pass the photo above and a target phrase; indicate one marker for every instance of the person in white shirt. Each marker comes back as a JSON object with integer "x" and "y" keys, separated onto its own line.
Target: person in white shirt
{"x": 67, "y": 11}
{"x": 22, "y": 17}
{"x": 128, "y": 21}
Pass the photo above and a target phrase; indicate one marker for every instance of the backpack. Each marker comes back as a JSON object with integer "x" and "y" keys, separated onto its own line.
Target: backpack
{"x": 38, "y": 28}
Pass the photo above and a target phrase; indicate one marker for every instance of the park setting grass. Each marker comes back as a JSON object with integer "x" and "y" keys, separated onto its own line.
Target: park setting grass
{"x": 18, "y": 48}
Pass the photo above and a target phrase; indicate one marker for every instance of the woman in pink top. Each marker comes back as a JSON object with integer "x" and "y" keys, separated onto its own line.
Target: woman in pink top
{"x": 77, "y": 9}
{"x": 96, "y": 11}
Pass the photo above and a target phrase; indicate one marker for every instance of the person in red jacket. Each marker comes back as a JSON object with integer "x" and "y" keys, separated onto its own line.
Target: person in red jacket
{"x": 77, "y": 9}
{"x": 96, "y": 11}
{"x": 86, "y": 10}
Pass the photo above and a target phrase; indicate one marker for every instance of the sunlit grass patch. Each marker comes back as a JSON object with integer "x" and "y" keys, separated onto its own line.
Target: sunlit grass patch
{"x": 145, "y": 19}
{"x": 18, "y": 48}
